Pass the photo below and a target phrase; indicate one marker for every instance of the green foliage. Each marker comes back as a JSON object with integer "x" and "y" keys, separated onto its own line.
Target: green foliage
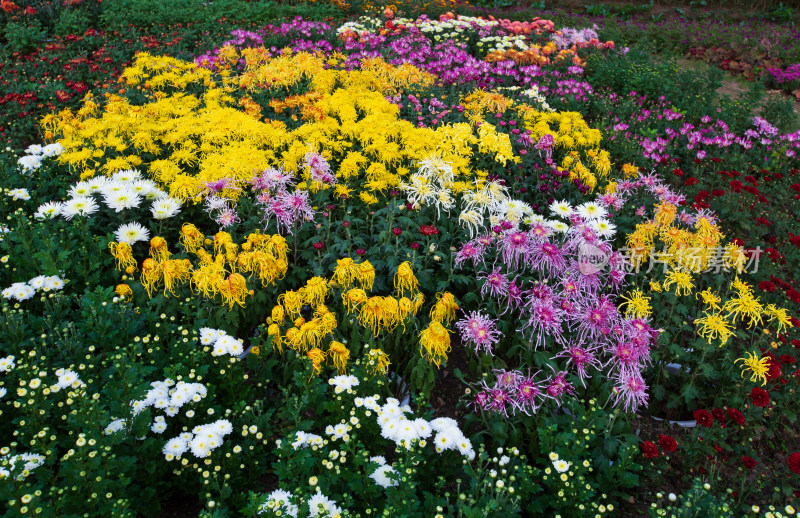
{"x": 23, "y": 37}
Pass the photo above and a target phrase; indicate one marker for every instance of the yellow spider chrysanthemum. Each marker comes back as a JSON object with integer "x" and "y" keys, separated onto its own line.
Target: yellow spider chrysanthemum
{"x": 758, "y": 367}
{"x": 637, "y": 305}
{"x": 445, "y": 308}
{"x": 744, "y": 305}
{"x": 366, "y": 275}
{"x": 274, "y": 331}
{"x": 346, "y": 272}
{"x": 278, "y": 314}
{"x": 315, "y": 291}
{"x": 780, "y": 315}
{"x": 234, "y": 290}
{"x": 339, "y": 353}
{"x": 317, "y": 357}
{"x": 353, "y": 298}
{"x": 404, "y": 279}
{"x": 124, "y": 291}
{"x": 714, "y": 326}
{"x": 682, "y": 280}
{"x": 292, "y": 303}
{"x": 710, "y": 298}
{"x": 191, "y": 238}
{"x": 123, "y": 253}
{"x": 434, "y": 343}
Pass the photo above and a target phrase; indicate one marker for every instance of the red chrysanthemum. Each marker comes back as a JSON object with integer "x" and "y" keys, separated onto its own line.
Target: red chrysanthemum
{"x": 766, "y": 286}
{"x": 649, "y": 450}
{"x": 668, "y": 444}
{"x": 704, "y": 418}
{"x": 749, "y": 462}
{"x": 719, "y": 414}
{"x": 787, "y": 359}
{"x": 760, "y": 397}
{"x": 736, "y": 416}
{"x": 794, "y": 462}
{"x": 690, "y": 181}
{"x": 718, "y": 192}
{"x": 428, "y": 230}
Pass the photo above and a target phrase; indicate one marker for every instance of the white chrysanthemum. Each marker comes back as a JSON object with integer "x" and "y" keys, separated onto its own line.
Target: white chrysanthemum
{"x": 553, "y": 456}
{"x": 37, "y": 282}
{"x": 123, "y": 199}
{"x": 2, "y": 392}
{"x": 159, "y": 427}
{"x": 463, "y": 446}
{"x": 164, "y": 208}
{"x": 52, "y": 149}
{"x": 223, "y": 427}
{"x": 22, "y": 291}
{"x": 423, "y": 427}
{"x": 381, "y": 476}
{"x": 53, "y": 282}
{"x": 561, "y": 465}
{"x": 137, "y": 407}
{"x": 30, "y": 162}
{"x": 48, "y": 210}
{"x": 443, "y": 423}
{"x": 558, "y": 226}
{"x": 6, "y": 364}
{"x": 208, "y": 336}
{"x": 19, "y": 194}
{"x": 127, "y": 175}
{"x": 378, "y": 459}
{"x": 80, "y": 189}
{"x": 280, "y": 500}
{"x": 132, "y": 232}
{"x": 176, "y": 446}
{"x": 320, "y": 504}
{"x": 604, "y": 228}
{"x": 591, "y": 210}
{"x": 79, "y": 206}
{"x": 561, "y": 208}
{"x": 406, "y": 432}
{"x": 97, "y": 184}
{"x": 143, "y": 187}
{"x": 34, "y": 149}
{"x": 227, "y": 344}
{"x": 200, "y": 448}
{"x": 473, "y": 220}
{"x": 343, "y": 383}
{"x": 68, "y": 379}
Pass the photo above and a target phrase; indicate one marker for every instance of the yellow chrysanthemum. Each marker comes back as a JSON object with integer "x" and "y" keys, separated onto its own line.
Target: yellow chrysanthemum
{"x": 339, "y": 353}
{"x": 637, "y": 304}
{"x": 123, "y": 253}
{"x": 444, "y": 310}
{"x": 274, "y": 331}
{"x": 682, "y": 280}
{"x": 713, "y": 326}
{"x": 378, "y": 362}
{"x": 434, "y": 343}
{"x": 758, "y": 367}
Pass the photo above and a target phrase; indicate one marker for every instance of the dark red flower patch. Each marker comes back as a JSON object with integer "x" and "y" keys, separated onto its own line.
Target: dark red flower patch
{"x": 704, "y": 418}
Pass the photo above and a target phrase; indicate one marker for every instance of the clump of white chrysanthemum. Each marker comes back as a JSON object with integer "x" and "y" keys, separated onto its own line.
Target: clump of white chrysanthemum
{"x": 164, "y": 208}
{"x": 304, "y": 440}
{"x": 19, "y": 194}
{"x": 48, "y": 210}
{"x": 220, "y": 342}
{"x": 381, "y": 476}
{"x": 279, "y": 501}
{"x": 132, "y": 233}
{"x": 7, "y": 364}
{"x": 66, "y": 379}
{"x": 343, "y": 383}
{"x": 28, "y": 461}
{"x": 201, "y": 442}
{"x": 321, "y": 505}
{"x": 79, "y": 206}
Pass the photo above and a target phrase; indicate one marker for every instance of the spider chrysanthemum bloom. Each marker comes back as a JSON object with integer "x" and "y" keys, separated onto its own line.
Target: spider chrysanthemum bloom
{"x": 758, "y": 367}
{"x": 274, "y": 331}
{"x": 404, "y": 279}
{"x": 221, "y": 239}
{"x": 158, "y": 249}
{"x": 744, "y": 305}
{"x": 345, "y": 273}
{"x": 636, "y": 304}
{"x": 315, "y": 291}
{"x": 278, "y": 314}
{"x": 175, "y": 272}
{"x": 233, "y": 290}
{"x": 371, "y": 314}
{"x": 317, "y": 357}
{"x": 682, "y": 280}
{"x": 434, "y": 343}
{"x": 391, "y": 313}
{"x": 480, "y": 330}
{"x": 191, "y": 238}
{"x": 151, "y": 275}
{"x": 353, "y": 298}
{"x": 310, "y": 335}
{"x": 710, "y": 299}
{"x": 366, "y": 275}
{"x": 339, "y": 353}
{"x": 445, "y": 308}
{"x": 292, "y": 302}
{"x": 713, "y": 326}
{"x": 405, "y": 307}
{"x": 781, "y": 315}
{"x": 207, "y": 278}
{"x": 123, "y": 253}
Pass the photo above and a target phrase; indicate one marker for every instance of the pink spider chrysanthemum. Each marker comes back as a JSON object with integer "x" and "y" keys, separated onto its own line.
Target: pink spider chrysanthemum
{"x": 513, "y": 247}
{"x": 495, "y": 284}
{"x": 471, "y": 251}
{"x": 581, "y": 358}
{"x": 479, "y": 330}
{"x": 547, "y": 258}
{"x": 630, "y": 391}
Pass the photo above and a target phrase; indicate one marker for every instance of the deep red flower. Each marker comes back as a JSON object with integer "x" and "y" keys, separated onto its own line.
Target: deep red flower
{"x": 736, "y": 186}
{"x": 752, "y": 190}
{"x": 719, "y": 414}
{"x": 766, "y": 286}
{"x": 793, "y": 239}
{"x": 787, "y": 359}
{"x": 414, "y": 245}
{"x": 774, "y": 371}
{"x": 760, "y": 397}
{"x": 360, "y": 251}
{"x": 703, "y": 418}
{"x": 749, "y": 462}
{"x": 668, "y": 444}
{"x": 796, "y": 187}
{"x": 690, "y": 181}
{"x": 718, "y": 192}
{"x": 649, "y": 450}
{"x": 763, "y": 221}
{"x": 751, "y": 180}
{"x": 397, "y": 231}
{"x": 736, "y": 416}
{"x": 428, "y": 230}
{"x": 794, "y": 462}
{"x": 318, "y": 245}
{"x": 677, "y": 172}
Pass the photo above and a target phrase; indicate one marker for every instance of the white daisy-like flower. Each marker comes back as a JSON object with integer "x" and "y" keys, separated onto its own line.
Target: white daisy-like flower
{"x": 553, "y": 456}
{"x": 34, "y": 149}
{"x": 176, "y": 446}
{"x": 159, "y": 427}
{"x": 561, "y": 465}
{"x": 80, "y": 189}
{"x": 320, "y": 504}
{"x": 19, "y": 194}
{"x": 21, "y": 291}
{"x": 79, "y": 206}
{"x": 37, "y": 282}
{"x": 280, "y": 500}
{"x": 604, "y": 228}
{"x": 30, "y": 162}
{"x": 127, "y": 175}
{"x": 558, "y": 226}
{"x": 166, "y": 207}
{"x": 200, "y": 447}
{"x": 53, "y": 282}
{"x": 381, "y": 476}
{"x": 123, "y": 199}
{"x": 68, "y": 379}
{"x": 131, "y": 233}
{"x": 97, "y": 184}
{"x": 52, "y": 149}
{"x": 7, "y": 364}
{"x": 591, "y": 210}
{"x": 561, "y": 208}
{"x": 48, "y": 210}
